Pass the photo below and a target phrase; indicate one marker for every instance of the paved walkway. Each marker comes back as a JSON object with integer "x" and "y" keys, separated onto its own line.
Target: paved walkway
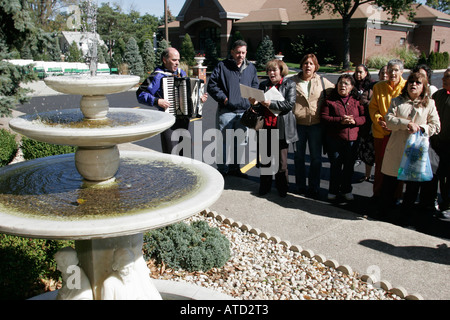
{"x": 405, "y": 258}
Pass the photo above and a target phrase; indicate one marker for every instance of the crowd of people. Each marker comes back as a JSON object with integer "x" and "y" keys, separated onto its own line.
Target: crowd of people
{"x": 356, "y": 119}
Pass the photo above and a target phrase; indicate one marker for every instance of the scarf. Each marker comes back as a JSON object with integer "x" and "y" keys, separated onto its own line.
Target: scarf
{"x": 270, "y": 120}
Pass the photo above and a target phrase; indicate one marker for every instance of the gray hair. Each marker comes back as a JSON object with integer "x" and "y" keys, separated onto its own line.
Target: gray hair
{"x": 397, "y": 62}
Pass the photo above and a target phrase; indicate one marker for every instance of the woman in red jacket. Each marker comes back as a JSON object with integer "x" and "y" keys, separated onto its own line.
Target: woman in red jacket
{"x": 342, "y": 115}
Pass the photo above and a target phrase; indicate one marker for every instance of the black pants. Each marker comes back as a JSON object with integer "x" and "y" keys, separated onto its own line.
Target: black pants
{"x": 166, "y": 136}
{"x": 281, "y": 176}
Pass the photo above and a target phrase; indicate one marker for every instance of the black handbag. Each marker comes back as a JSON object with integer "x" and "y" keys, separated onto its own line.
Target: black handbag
{"x": 253, "y": 118}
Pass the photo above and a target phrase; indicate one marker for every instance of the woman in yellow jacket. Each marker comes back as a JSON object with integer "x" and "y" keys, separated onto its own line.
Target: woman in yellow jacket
{"x": 383, "y": 93}
{"x": 310, "y": 94}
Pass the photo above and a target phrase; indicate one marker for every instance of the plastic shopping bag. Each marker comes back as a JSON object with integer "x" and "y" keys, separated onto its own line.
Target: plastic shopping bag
{"x": 415, "y": 164}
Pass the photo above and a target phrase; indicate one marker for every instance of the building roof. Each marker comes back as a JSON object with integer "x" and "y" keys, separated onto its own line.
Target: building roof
{"x": 425, "y": 12}
{"x": 283, "y": 12}
{"x": 296, "y": 11}
{"x": 81, "y": 39}
{"x": 231, "y": 9}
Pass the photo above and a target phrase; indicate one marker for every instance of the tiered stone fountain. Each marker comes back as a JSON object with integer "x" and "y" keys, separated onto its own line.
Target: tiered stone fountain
{"x": 102, "y": 199}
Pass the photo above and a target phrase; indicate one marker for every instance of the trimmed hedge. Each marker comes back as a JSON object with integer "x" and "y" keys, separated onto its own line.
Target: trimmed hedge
{"x": 33, "y": 149}
{"x": 435, "y": 60}
{"x": 194, "y": 247}
{"x": 24, "y": 262}
{"x": 8, "y": 147}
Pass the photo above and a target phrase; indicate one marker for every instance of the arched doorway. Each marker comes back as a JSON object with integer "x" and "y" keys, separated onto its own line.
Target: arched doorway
{"x": 210, "y": 32}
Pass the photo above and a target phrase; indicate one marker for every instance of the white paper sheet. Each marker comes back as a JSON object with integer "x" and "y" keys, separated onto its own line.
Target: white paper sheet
{"x": 273, "y": 94}
{"x": 249, "y": 92}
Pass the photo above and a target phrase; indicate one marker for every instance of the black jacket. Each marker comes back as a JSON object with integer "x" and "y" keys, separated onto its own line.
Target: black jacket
{"x": 225, "y": 83}
{"x": 286, "y": 123}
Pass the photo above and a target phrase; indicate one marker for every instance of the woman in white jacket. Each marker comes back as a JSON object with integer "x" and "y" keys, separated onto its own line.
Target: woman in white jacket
{"x": 409, "y": 113}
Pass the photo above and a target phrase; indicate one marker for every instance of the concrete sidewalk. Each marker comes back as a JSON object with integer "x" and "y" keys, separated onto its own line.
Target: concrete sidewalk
{"x": 405, "y": 258}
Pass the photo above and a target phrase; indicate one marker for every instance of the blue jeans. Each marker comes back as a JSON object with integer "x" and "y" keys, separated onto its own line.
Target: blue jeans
{"x": 342, "y": 155}
{"x": 228, "y": 122}
{"x": 313, "y": 136}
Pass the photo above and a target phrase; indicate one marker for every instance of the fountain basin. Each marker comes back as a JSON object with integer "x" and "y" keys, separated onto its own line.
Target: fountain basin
{"x": 69, "y": 127}
{"x": 87, "y": 85}
{"x": 172, "y": 201}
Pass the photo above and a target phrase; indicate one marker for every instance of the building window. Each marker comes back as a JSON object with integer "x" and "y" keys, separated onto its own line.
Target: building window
{"x": 402, "y": 41}
{"x": 378, "y": 40}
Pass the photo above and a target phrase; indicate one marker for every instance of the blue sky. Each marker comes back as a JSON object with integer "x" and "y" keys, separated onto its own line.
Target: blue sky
{"x": 154, "y": 7}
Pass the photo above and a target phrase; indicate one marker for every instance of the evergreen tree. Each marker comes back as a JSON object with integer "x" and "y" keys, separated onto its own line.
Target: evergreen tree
{"x": 212, "y": 58}
{"x": 54, "y": 51}
{"x": 148, "y": 56}
{"x": 74, "y": 54}
{"x": 119, "y": 52}
{"x": 264, "y": 53}
{"x": 101, "y": 52}
{"x": 17, "y": 26}
{"x": 162, "y": 44}
{"x": 133, "y": 58}
{"x": 187, "y": 51}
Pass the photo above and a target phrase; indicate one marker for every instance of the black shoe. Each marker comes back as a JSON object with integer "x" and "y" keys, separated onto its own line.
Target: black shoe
{"x": 237, "y": 173}
{"x": 313, "y": 194}
{"x": 443, "y": 215}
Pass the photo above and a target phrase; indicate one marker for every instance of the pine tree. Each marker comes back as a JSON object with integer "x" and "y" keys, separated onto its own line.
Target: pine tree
{"x": 187, "y": 51}
{"x": 101, "y": 51}
{"x": 148, "y": 56}
{"x": 264, "y": 53}
{"x": 133, "y": 58}
{"x": 17, "y": 26}
{"x": 162, "y": 44}
{"x": 211, "y": 54}
{"x": 74, "y": 54}
{"x": 54, "y": 50}
{"x": 119, "y": 52}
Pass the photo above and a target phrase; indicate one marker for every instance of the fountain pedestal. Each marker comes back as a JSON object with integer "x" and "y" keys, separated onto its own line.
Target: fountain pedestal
{"x": 98, "y": 260}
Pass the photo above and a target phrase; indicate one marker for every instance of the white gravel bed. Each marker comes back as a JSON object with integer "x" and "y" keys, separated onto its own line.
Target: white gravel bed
{"x": 259, "y": 269}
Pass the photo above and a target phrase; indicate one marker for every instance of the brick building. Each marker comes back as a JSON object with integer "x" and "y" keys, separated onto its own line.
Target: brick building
{"x": 371, "y": 33}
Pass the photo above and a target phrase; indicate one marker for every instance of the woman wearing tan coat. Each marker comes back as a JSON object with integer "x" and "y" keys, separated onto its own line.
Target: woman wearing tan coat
{"x": 310, "y": 94}
{"x": 409, "y": 113}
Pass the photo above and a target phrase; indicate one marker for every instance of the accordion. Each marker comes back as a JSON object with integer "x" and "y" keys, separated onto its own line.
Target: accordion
{"x": 184, "y": 95}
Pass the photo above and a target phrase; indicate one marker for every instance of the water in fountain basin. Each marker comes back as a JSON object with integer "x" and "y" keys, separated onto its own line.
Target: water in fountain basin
{"x": 52, "y": 189}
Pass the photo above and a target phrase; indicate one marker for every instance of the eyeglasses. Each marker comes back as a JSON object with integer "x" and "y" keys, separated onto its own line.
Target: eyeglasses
{"x": 416, "y": 82}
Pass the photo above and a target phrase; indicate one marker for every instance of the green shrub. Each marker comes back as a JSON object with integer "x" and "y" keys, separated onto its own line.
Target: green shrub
{"x": 409, "y": 55}
{"x": 378, "y": 61}
{"x": 33, "y": 149}
{"x": 195, "y": 247}
{"x": 436, "y": 60}
{"x": 8, "y": 147}
{"x": 24, "y": 262}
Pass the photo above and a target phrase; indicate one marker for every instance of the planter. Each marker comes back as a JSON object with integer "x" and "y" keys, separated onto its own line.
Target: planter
{"x": 279, "y": 56}
{"x": 199, "y": 60}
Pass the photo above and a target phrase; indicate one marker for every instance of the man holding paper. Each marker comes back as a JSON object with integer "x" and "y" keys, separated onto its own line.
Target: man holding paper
{"x": 280, "y": 124}
{"x": 224, "y": 87}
